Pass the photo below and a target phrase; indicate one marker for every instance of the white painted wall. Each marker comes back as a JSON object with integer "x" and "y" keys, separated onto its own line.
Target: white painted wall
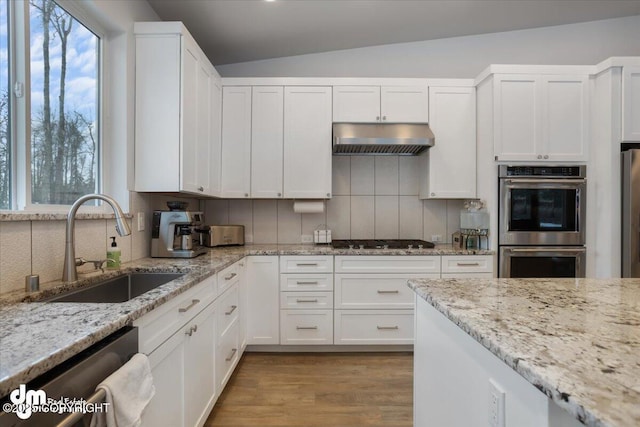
{"x": 460, "y": 57}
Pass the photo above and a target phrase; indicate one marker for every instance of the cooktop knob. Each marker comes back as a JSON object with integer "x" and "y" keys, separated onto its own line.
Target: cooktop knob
{"x": 350, "y": 246}
{"x": 420, "y": 246}
{"x": 361, "y": 246}
{"x": 410, "y": 246}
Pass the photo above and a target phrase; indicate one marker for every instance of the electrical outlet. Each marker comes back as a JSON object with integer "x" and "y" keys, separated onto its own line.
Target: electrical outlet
{"x": 307, "y": 238}
{"x": 496, "y": 404}
{"x": 140, "y": 221}
{"x": 436, "y": 238}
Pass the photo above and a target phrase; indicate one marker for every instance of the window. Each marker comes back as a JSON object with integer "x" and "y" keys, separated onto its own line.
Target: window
{"x": 5, "y": 137}
{"x": 62, "y": 146}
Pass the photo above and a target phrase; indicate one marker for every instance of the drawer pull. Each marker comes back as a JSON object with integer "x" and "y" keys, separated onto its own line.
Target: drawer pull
{"x": 382, "y": 328}
{"x": 306, "y": 264}
{"x": 189, "y": 307}
{"x": 307, "y": 300}
{"x": 389, "y": 292}
{"x": 468, "y": 264}
{"x": 233, "y": 353}
{"x": 306, "y": 283}
{"x": 191, "y": 330}
{"x": 231, "y": 276}
{"x": 233, "y": 308}
{"x": 306, "y": 327}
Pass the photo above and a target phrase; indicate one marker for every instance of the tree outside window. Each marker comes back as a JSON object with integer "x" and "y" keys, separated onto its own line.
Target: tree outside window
{"x": 64, "y": 94}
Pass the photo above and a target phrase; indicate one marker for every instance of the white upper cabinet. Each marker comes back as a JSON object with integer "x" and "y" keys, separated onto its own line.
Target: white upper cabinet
{"x": 307, "y": 142}
{"x": 215, "y": 150}
{"x": 631, "y": 104}
{"x": 387, "y": 104}
{"x": 449, "y": 167}
{"x": 174, "y": 127}
{"x": 236, "y": 141}
{"x": 267, "y": 132}
{"x": 541, "y": 117}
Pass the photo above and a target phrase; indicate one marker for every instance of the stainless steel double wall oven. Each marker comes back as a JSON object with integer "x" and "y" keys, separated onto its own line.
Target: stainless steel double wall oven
{"x": 542, "y": 221}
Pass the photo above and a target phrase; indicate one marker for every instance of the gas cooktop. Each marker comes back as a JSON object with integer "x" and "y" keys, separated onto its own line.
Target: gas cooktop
{"x": 381, "y": 244}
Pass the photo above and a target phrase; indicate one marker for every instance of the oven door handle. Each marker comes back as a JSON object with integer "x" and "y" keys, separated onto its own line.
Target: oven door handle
{"x": 74, "y": 417}
{"x": 541, "y": 182}
{"x": 548, "y": 249}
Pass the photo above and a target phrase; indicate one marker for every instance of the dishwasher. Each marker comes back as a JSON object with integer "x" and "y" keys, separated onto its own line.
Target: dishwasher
{"x": 77, "y": 379}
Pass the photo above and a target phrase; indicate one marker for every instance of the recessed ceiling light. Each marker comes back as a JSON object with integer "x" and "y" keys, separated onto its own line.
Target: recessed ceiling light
{"x": 270, "y": 1}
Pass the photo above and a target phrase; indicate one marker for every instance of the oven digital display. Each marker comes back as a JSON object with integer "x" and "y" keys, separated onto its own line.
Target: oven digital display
{"x": 543, "y": 210}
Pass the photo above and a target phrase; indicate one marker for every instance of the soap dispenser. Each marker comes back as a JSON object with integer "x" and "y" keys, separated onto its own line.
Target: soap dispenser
{"x": 113, "y": 254}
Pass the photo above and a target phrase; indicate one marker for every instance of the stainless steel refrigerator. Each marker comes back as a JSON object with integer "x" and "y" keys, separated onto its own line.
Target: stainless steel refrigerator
{"x": 631, "y": 213}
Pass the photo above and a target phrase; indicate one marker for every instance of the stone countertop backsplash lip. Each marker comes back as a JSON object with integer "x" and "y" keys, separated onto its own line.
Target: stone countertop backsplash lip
{"x": 37, "y": 336}
{"x": 8, "y": 216}
{"x": 576, "y": 340}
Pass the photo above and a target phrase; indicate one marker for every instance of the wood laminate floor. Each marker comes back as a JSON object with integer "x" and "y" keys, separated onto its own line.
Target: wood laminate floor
{"x": 318, "y": 389}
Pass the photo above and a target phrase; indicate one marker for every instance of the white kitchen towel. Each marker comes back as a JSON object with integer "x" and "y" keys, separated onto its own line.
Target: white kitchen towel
{"x": 128, "y": 391}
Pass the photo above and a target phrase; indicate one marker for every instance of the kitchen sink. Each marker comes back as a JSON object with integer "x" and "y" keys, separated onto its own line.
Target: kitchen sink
{"x": 119, "y": 289}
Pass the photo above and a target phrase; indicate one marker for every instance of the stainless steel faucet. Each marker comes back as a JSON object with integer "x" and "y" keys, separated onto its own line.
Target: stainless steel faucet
{"x": 69, "y": 272}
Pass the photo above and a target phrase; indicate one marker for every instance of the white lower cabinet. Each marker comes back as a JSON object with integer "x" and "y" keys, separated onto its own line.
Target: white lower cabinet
{"x": 392, "y": 327}
{"x": 373, "y": 304}
{"x": 306, "y": 300}
{"x": 263, "y": 310}
{"x": 227, "y": 354}
{"x": 183, "y": 372}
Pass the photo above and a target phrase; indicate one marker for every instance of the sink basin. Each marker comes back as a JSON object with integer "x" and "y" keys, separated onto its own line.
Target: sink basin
{"x": 119, "y": 289}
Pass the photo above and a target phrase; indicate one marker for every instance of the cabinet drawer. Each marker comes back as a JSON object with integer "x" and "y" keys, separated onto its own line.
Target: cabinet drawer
{"x": 306, "y": 327}
{"x": 228, "y": 277}
{"x": 361, "y": 291}
{"x": 306, "y": 264}
{"x": 228, "y": 309}
{"x": 227, "y": 354}
{"x": 387, "y": 264}
{"x": 467, "y": 264}
{"x": 302, "y": 300}
{"x": 374, "y": 327}
{"x": 158, "y": 325}
{"x": 306, "y": 282}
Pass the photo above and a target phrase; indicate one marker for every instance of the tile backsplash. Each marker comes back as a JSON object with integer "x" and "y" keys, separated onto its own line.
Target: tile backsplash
{"x": 373, "y": 197}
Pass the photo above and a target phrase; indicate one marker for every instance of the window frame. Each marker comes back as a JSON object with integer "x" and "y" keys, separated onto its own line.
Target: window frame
{"x": 20, "y": 108}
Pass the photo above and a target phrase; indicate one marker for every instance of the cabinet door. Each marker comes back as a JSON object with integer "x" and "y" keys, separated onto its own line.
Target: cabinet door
{"x": 263, "y": 324}
{"x": 307, "y": 142}
{"x": 166, "y": 408}
{"x": 242, "y": 315}
{"x": 199, "y": 363}
{"x": 451, "y": 168}
{"x": 236, "y": 141}
{"x": 516, "y": 117}
{"x": 631, "y": 104}
{"x": 404, "y": 104}
{"x": 191, "y": 73}
{"x": 215, "y": 155}
{"x": 157, "y": 123}
{"x": 355, "y": 104}
{"x": 565, "y": 118}
{"x": 267, "y": 117}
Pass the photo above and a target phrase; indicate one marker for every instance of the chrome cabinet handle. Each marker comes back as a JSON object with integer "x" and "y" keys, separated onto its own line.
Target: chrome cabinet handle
{"x": 233, "y": 308}
{"x": 191, "y": 330}
{"x": 377, "y": 118}
{"x": 279, "y": 194}
{"x": 307, "y": 283}
{"x": 546, "y": 156}
{"x": 306, "y": 327}
{"x": 539, "y": 156}
{"x": 467, "y": 264}
{"x": 233, "y": 353}
{"x": 307, "y": 300}
{"x": 189, "y": 307}
{"x": 384, "y": 118}
{"x": 380, "y": 328}
{"x": 306, "y": 264}
{"x": 388, "y": 292}
{"x": 231, "y": 276}
{"x": 200, "y": 188}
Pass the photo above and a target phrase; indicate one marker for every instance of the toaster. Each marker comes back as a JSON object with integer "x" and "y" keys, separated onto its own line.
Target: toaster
{"x": 221, "y": 235}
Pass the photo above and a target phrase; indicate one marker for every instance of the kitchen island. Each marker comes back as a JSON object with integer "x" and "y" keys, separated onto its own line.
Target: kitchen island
{"x": 563, "y": 351}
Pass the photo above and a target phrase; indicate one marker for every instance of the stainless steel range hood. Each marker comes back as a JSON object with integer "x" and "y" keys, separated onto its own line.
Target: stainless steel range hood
{"x": 407, "y": 139}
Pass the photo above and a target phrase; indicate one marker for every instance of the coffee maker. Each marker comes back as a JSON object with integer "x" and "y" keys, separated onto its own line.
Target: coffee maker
{"x": 175, "y": 234}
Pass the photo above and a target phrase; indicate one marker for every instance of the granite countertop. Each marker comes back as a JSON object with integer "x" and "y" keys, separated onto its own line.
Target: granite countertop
{"x": 36, "y": 336}
{"x": 576, "y": 340}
